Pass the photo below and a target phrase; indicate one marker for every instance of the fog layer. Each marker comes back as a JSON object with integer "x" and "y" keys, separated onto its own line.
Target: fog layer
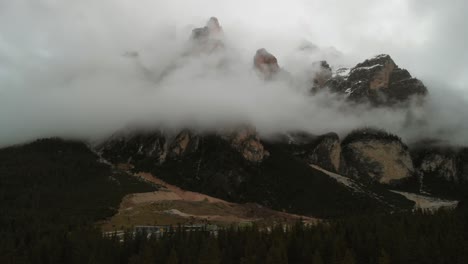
{"x": 68, "y": 68}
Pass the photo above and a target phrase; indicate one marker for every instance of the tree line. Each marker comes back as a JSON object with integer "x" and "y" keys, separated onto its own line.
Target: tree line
{"x": 52, "y": 193}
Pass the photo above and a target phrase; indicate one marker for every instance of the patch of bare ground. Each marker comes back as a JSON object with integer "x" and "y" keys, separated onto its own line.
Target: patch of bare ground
{"x": 172, "y": 205}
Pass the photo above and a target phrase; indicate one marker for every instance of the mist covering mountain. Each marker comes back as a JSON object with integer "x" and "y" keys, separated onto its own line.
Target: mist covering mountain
{"x": 348, "y": 118}
{"x": 216, "y": 104}
{"x": 88, "y": 69}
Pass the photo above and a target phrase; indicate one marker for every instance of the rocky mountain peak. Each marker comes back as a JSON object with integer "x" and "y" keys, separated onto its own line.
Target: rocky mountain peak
{"x": 212, "y": 29}
{"x": 322, "y": 73}
{"x": 379, "y": 81}
{"x": 323, "y": 65}
{"x": 266, "y": 63}
{"x": 213, "y": 26}
{"x": 382, "y": 59}
{"x": 208, "y": 38}
{"x": 376, "y": 72}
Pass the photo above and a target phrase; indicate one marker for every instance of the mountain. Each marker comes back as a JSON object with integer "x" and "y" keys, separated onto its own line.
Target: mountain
{"x": 231, "y": 192}
{"x": 375, "y": 155}
{"x": 441, "y": 169}
{"x": 320, "y": 176}
{"x": 315, "y": 175}
{"x": 377, "y": 80}
{"x": 244, "y": 168}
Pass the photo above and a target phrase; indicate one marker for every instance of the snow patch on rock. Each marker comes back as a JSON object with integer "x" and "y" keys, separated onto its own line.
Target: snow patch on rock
{"x": 427, "y": 202}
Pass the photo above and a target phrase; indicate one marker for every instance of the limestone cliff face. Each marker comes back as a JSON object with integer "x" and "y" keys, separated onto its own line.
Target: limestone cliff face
{"x": 379, "y": 81}
{"x": 247, "y": 142}
{"x": 185, "y": 142}
{"x": 376, "y": 156}
{"x": 322, "y": 73}
{"x": 151, "y": 147}
{"x": 441, "y": 169}
{"x": 266, "y": 64}
{"x": 129, "y": 147}
{"x": 326, "y": 153}
{"x": 444, "y": 163}
{"x": 157, "y": 147}
{"x": 323, "y": 150}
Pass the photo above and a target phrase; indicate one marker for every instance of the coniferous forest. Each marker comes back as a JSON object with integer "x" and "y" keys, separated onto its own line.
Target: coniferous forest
{"x": 52, "y": 193}
{"x": 397, "y": 238}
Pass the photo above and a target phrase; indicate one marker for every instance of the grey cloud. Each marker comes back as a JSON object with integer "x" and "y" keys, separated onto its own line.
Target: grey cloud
{"x": 65, "y": 69}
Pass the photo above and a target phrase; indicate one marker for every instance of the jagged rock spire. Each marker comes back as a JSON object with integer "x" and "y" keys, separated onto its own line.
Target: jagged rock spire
{"x": 322, "y": 73}
{"x": 266, "y": 63}
{"x": 208, "y": 38}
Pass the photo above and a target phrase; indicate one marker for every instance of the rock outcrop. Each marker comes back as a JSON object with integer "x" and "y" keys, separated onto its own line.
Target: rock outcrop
{"x": 247, "y": 142}
{"x": 378, "y": 81}
{"x": 445, "y": 163}
{"x": 238, "y": 166}
{"x": 149, "y": 147}
{"x": 323, "y": 150}
{"x": 131, "y": 148}
{"x": 185, "y": 142}
{"x": 157, "y": 147}
{"x": 266, "y": 64}
{"x": 208, "y": 38}
{"x": 326, "y": 153}
{"x": 442, "y": 170}
{"x": 441, "y": 164}
{"x": 373, "y": 155}
{"x": 322, "y": 73}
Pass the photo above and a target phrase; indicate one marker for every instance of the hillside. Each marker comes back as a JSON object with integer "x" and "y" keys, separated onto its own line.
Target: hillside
{"x": 52, "y": 186}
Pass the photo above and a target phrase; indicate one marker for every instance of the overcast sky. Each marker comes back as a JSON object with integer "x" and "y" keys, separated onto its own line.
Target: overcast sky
{"x": 63, "y": 69}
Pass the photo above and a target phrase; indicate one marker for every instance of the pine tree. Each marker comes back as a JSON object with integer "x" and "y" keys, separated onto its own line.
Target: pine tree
{"x": 348, "y": 257}
{"x": 384, "y": 258}
{"x": 317, "y": 258}
{"x": 209, "y": 252}
{"x": 172, "y": 259}
{"x": 277, "y": 254}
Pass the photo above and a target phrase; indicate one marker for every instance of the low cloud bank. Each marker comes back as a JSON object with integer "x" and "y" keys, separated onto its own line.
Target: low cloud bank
{"x": 89, "y": 69}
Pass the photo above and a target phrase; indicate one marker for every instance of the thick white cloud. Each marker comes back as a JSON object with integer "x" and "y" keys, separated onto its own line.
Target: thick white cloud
{"x": 63, "y": 69}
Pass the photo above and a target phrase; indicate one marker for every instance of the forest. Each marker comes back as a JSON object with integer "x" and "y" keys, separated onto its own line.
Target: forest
{"x": 392, "y": 238}
{"x": 53, "y": 192}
